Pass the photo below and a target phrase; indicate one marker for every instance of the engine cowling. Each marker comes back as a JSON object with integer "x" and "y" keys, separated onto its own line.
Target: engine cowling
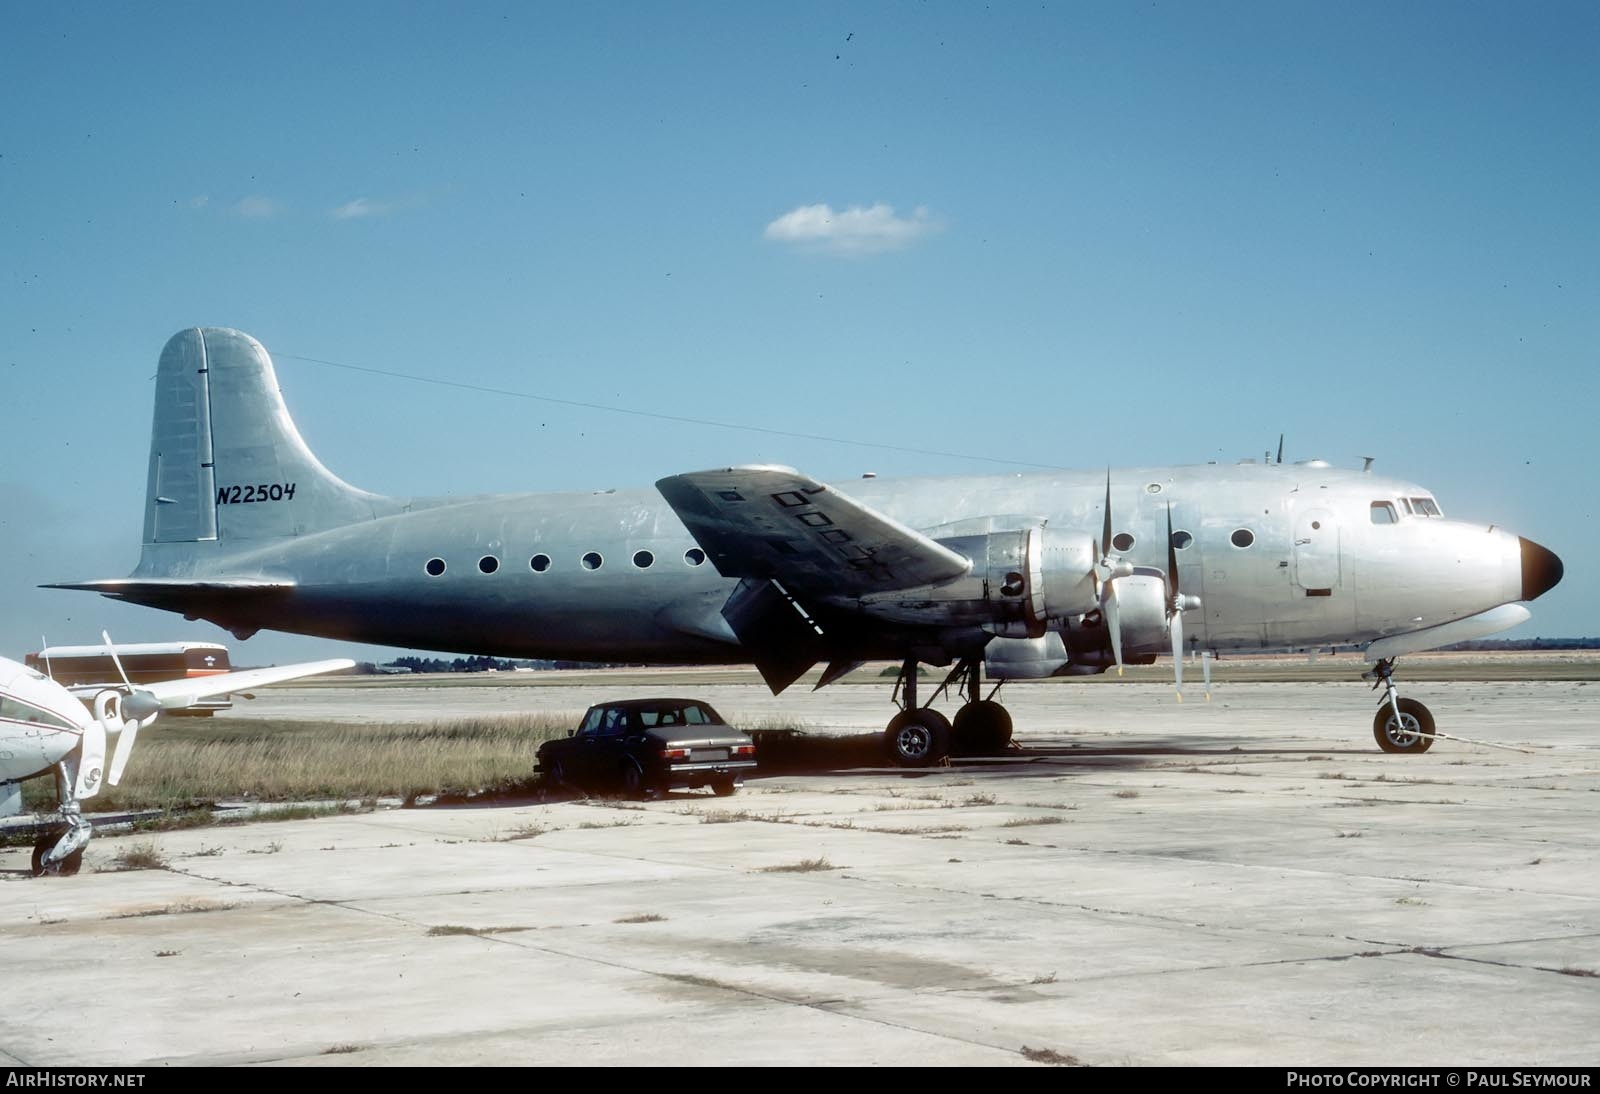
{"x": 1142, "y": 602}
{"x": 1022, "y": 580}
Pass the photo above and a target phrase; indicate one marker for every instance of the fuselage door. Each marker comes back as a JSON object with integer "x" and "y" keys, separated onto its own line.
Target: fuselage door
{"x": 1316, "y": 550}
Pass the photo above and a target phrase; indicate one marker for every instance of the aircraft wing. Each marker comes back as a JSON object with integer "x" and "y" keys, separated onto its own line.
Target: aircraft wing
{"x": 178, "y": 694}
{"x": 777, "y": 524}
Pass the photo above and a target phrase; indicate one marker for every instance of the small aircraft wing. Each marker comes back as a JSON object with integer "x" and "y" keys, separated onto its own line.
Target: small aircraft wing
{"x": 178, "y": 694}
{"x": 778, "y": 524}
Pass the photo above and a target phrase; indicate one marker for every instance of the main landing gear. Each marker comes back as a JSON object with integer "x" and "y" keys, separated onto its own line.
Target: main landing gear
{"x": 1401, "y": 725}
{"x": 919, "y": 736}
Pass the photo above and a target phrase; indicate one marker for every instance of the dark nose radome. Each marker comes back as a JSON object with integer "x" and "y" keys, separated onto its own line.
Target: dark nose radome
{"x": 1541, "y": 569}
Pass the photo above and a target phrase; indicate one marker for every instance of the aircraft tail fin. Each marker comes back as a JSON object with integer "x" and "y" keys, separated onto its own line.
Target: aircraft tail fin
{"x": 226, "y": 461}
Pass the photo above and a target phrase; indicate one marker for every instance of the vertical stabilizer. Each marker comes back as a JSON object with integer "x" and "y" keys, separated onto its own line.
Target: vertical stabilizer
{"x": 226, "y": 462}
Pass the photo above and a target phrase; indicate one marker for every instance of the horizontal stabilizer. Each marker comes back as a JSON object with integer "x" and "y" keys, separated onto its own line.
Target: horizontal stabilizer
{"x": 775, "y": 523}
{"x": 141, "y": 590}
{"x": 221, "y": 601}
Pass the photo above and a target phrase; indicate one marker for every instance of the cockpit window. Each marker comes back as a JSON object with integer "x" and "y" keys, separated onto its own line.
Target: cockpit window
{"x": 1384, "y": 512}
{"x": 15, "y": 710}
{"x": 1426, "y": 507}
{"x": 1406, "y": 502}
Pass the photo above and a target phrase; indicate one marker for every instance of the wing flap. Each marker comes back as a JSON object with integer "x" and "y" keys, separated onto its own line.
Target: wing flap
{"x": 778, "y": 524}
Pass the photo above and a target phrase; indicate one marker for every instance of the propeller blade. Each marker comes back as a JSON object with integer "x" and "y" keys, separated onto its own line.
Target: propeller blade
{"x": 1280, "y": 447}
{"x": 115, "y": 660}
{"x": 1177, "y": 652}
{"x": 1205, "y": 671}
{"x": 139, "y": 704}
{"x": 119, "y": 758}
{"x": 1172, "y": 559}
{"x": 1105, "y": 531}
{"x": 1113, "y": 616}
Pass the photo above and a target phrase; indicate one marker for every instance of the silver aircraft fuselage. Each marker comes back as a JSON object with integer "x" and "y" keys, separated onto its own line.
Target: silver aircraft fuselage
{"x": 1316, "y": 571}
{"x": 246, "y": 528}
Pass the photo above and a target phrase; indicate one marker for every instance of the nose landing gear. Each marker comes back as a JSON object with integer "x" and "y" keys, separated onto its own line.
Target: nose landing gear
{"x": 1401, "y": 725}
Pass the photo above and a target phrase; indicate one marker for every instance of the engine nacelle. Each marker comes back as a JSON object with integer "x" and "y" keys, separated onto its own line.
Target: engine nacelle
{"x": 1142, "y": 611}
{"x": 1020, "y": 581}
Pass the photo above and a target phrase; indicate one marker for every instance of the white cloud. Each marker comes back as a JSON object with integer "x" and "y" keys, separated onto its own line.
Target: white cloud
{"x": 361, "y": 207}
{"x": 852, "y": 231}
{"x": 257, "y": 207}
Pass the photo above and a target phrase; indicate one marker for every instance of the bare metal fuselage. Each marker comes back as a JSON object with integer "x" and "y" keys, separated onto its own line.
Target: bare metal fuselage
{"x": 1317, "y": 571}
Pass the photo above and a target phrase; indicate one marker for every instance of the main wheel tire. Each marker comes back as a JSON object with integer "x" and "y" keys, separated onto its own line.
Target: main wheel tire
{"x": 724, "y": 788}
{"x": 918, "y": 738}
{"x": 1405, "y": 735}
{"x": 982, "y": 728}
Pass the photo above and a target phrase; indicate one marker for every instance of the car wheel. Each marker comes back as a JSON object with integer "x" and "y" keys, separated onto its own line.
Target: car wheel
{"x": 636, "y": 784}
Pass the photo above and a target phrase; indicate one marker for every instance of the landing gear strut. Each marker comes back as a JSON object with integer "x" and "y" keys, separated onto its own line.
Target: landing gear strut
{"x": 1401, "y": 725}
{"x": 919, "y": 736}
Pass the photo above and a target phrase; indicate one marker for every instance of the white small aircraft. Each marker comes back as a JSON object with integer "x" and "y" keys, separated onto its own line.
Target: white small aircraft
{"x": 46, "y": 727}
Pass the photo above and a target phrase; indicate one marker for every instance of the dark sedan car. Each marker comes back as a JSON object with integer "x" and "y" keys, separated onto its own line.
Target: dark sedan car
{"x": 649, "y": 746}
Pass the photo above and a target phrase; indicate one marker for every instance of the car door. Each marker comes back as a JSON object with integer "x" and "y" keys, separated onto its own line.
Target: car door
{"x": 600, "y": 748}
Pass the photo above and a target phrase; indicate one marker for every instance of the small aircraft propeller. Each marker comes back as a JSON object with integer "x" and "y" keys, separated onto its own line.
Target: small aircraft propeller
{"x": 131, "y": 711}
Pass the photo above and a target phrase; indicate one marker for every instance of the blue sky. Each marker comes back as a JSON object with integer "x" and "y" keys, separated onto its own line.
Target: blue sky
{"x": 1064, "y": 234}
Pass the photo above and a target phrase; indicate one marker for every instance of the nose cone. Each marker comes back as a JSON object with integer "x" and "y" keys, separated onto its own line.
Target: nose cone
{"x": 1541, "y": 569}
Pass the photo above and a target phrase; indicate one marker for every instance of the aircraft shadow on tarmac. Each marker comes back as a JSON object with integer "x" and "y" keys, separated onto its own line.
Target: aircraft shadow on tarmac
{"x": 784, "y": 753}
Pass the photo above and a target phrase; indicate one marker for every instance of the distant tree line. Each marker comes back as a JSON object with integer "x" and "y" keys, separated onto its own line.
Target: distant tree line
{"x": 475, "y": 664}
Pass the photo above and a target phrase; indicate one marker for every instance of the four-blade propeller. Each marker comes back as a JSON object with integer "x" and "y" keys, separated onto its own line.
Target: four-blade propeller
{"x": 1110, "y": 566}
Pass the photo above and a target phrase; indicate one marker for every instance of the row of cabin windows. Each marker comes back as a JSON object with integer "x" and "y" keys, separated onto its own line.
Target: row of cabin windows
{"x": 694, "y": 556}
{"x": 593, "y": 560}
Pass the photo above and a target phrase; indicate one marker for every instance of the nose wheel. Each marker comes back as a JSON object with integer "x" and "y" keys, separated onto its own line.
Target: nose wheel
{"x": 1400, "y": 725}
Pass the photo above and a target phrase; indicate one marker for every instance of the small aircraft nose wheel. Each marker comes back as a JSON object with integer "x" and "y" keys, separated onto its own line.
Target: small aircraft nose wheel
{"x": 1411, "y": 732}
{"x": 41, "y": 847}
{"x": 918, "y": 737}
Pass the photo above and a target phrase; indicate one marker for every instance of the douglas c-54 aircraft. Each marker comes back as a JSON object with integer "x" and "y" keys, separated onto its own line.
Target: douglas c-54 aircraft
{"x": 1017, "y": 576}
{"x": 46, "y": 727}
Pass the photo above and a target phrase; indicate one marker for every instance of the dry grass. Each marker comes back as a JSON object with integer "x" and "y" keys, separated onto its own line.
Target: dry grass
{"x": 143, "y": 855}
{"x": 179, "y": 765}
{"x": 804, "y": 866}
